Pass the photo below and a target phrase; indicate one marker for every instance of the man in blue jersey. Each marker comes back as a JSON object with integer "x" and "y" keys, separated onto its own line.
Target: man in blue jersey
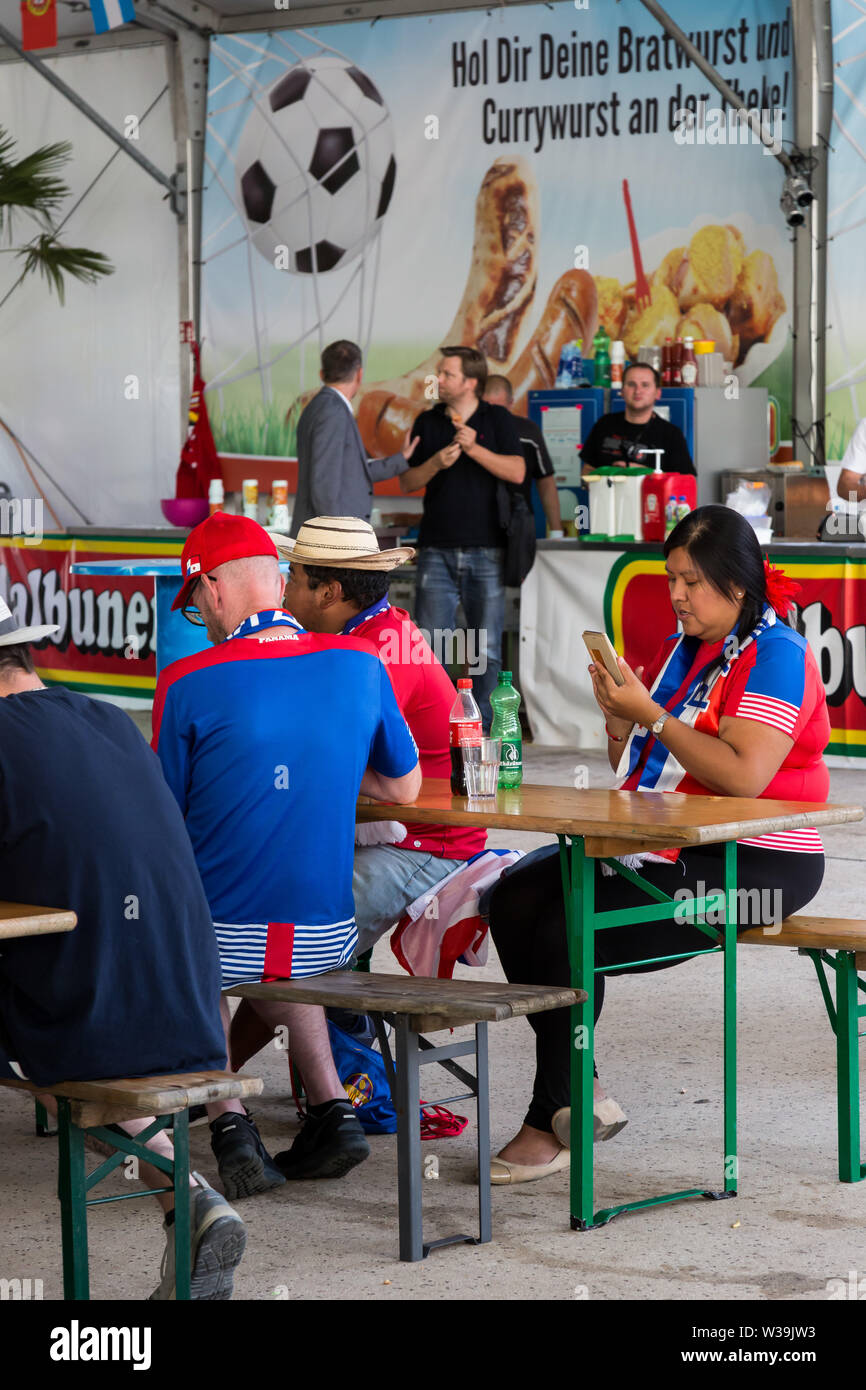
{"x": 266, "y": 741}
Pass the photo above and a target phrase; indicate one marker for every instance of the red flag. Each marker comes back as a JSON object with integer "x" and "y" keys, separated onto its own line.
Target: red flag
{"x": 38, "y": 24}
{"x": 199, "y": 461}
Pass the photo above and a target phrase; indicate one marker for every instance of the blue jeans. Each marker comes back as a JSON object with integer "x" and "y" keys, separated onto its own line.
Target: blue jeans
{"x": 474, "y": 578}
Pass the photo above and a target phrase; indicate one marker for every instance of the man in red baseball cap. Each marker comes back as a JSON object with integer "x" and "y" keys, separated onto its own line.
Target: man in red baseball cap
{"x": 266, "y": 741}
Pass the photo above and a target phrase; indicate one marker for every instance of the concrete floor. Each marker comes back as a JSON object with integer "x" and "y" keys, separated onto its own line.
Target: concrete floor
{"x": 793, "y": 1228}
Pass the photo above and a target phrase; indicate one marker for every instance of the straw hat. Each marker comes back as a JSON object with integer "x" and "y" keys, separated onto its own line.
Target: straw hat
{"x": 340, "y": 542}
{"x": 11, "y": 633}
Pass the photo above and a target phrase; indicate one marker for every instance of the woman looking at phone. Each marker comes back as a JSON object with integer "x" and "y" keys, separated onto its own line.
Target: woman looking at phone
{"x": 732, "y": 704}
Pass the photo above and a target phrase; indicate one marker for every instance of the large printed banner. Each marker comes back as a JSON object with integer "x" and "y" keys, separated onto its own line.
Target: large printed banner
{"x": 459, "y": 178}
{"x": 107, "y": 639}
{"x": 565, "y": 594}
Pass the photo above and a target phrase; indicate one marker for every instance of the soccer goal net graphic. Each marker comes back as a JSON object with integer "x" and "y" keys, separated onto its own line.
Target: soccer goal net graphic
{"x": 299, "y": 174}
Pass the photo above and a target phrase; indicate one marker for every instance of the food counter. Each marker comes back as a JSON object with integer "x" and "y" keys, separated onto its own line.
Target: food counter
{"x": 576, "y": 585}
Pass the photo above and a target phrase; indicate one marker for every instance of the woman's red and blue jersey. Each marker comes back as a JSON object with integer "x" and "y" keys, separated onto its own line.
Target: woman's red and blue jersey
{"x": 264, "y": 740}
{"x": 770, "y": 677}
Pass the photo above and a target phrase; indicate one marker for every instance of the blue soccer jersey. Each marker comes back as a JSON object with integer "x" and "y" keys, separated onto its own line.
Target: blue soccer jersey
{"x": 264, "y": 740}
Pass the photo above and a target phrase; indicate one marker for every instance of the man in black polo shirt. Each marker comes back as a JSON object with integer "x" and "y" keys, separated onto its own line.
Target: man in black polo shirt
{"x": 615, "y": 439}
{"x": 466, "y": 447}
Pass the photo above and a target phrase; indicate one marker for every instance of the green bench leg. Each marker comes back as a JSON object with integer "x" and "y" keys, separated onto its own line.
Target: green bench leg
{"x": 181, "y": 1206}
{"x": 73, "y": 1211}
{"x": 848, "y": 1067}
{"x": 44, "y": 1127}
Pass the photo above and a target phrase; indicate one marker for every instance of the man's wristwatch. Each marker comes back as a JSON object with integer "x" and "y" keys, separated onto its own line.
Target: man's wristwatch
{"x": 659, "y": 724}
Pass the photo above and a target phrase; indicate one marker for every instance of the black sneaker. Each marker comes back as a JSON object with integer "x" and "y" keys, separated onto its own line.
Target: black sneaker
{"x": 328, "y": 1145}
{"x": 245, "y": 1166}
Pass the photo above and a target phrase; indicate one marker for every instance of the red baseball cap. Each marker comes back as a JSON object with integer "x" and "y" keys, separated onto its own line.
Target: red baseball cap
{"x": 216, "y": 541}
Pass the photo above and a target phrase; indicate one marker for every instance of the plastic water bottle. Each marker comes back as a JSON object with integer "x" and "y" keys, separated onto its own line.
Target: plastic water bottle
{"x": 464, "y": 726}
{"x": 576, "y": 363}
{"x": 505, "y": 702}
{"x": 564, "y": 370}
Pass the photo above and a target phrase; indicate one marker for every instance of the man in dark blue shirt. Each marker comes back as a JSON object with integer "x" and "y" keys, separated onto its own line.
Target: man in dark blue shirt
{"x": 88, "y": 824}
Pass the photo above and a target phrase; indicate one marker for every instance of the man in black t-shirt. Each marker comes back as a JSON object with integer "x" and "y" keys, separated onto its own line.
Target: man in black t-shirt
{"x": 617, "y": 438}
{"x": 539, "y": 464}
{"x": 88, "y": 823}
{"x": 466, "y": 448}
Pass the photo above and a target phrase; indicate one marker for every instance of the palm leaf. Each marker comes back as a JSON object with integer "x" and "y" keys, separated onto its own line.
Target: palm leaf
{"x": 32, "y": 183}
{"x": 53, "y": 260}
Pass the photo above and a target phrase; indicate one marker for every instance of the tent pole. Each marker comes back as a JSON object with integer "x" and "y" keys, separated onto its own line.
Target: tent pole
{"x": 820, "y": 184}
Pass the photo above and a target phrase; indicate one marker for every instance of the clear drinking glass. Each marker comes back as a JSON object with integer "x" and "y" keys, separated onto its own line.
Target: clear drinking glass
{"x": 481, "y": 764}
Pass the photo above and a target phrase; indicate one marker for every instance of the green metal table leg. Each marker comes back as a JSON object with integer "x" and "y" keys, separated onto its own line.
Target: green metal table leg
{"x": 847, "y": 1067}
{"x": 730, "y": 1019}
{"x": 73, "y": 1211}
{"x": 578, "y": 883}
{"x": 182, "y": 1204}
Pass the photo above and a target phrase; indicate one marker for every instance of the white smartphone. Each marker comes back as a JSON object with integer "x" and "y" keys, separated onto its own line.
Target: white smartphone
{"x": 603, "y": 653}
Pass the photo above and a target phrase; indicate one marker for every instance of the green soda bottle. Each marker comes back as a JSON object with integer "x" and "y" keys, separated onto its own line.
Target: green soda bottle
{"x": 601, "y": 372}
{"x": 505, "y": 702}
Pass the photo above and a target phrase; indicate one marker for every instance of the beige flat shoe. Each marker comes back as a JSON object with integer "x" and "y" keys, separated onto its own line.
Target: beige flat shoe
{"x": 502, "y": 1172}
{"x": 609, "y": 1118}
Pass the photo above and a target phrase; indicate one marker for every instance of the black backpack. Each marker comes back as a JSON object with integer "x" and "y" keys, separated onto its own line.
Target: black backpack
{"x": 518, "y": 523}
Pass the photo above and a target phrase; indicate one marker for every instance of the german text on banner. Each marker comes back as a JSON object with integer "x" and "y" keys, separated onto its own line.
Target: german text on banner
{"x": 110, "y": 14}
{"x": 38, "y": 24}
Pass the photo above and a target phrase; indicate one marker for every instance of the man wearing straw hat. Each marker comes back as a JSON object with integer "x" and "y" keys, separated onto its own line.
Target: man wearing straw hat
{"x": 88, "y": 824}
{"x": 266, "y": 741}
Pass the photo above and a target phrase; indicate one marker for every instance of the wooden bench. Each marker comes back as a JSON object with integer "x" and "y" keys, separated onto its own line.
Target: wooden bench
{"x": 818, "y": 937}
{"x": 86, "y": 1107}
{"x": 416, "y": 1006}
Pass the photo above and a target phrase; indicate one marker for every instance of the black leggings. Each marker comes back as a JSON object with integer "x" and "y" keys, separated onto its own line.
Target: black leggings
{"x": 527, "y": 921}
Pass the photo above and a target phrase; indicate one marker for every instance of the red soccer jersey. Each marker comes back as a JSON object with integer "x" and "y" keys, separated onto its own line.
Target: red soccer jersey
{"x": 426, "y": 696}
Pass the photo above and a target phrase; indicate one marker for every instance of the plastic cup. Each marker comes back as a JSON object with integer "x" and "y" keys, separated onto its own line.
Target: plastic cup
{"x": 481, "y": 765}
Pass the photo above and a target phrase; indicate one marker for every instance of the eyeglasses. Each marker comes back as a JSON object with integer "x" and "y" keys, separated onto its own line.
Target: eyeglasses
{"x": 191, "y": 613}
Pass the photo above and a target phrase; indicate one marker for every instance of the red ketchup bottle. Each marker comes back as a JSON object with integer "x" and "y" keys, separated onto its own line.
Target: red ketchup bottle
{"x": 464, "y": 726}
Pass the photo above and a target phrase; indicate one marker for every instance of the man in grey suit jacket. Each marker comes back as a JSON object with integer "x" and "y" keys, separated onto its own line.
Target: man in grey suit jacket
{"x": 335, "y": 477}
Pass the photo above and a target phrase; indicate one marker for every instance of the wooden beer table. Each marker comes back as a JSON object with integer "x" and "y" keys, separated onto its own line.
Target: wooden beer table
{"x": 594, "y": 825}
{"x": 22, "y": 919}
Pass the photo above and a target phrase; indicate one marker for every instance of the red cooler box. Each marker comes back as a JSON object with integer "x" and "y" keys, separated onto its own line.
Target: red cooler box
{"x": 657, "y": 490}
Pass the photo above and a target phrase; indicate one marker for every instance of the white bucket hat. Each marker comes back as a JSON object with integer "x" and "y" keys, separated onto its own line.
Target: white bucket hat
{"x": 11, "y": 633}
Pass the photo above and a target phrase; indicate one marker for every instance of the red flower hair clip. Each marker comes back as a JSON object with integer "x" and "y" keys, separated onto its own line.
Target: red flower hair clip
{"x": 781, "y": 591}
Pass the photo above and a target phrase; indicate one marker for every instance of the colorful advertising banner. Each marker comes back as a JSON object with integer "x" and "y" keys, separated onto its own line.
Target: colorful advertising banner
{"x": 107, "y": 639}
{"x": 459, "y": 178}
{"x": 565, "y": 593}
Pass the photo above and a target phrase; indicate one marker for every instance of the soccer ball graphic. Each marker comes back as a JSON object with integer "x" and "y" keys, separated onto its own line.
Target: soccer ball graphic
{"x": 315, "y": 165}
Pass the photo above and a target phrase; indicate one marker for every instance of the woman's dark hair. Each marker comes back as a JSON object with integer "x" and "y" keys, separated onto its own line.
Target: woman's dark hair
{"x": 724, "y": 547}
{"x": 363, "y": 587}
